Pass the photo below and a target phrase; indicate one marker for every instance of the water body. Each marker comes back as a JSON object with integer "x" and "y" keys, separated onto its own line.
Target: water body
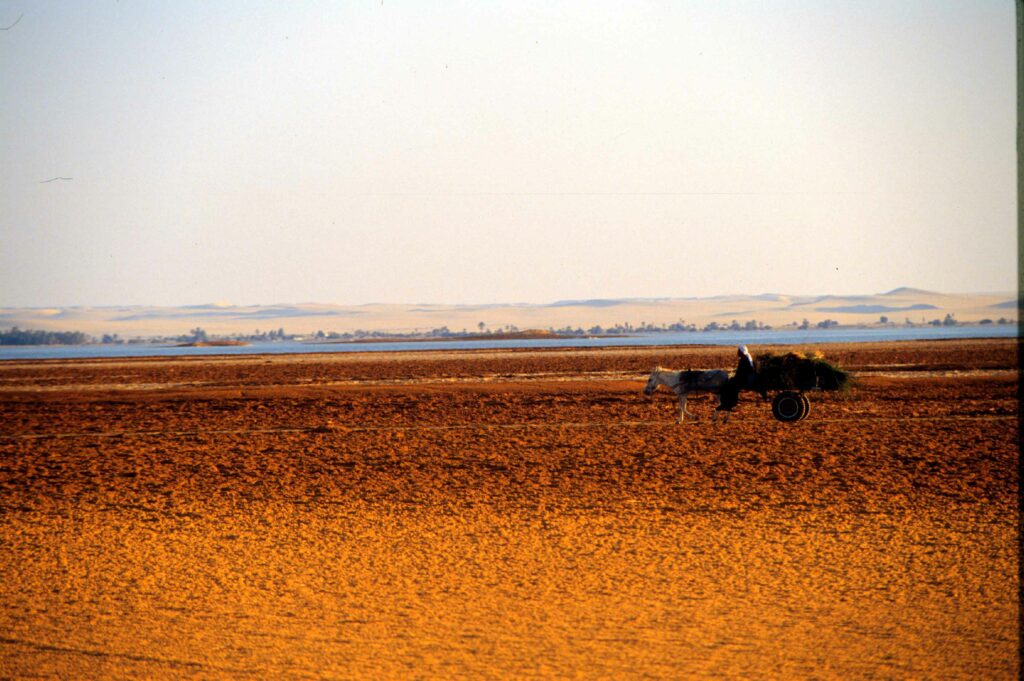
{"x": 773, "y": 337}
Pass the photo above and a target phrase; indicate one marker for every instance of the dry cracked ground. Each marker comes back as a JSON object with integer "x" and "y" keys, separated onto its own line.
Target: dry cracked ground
{"x": 514, "y": 514}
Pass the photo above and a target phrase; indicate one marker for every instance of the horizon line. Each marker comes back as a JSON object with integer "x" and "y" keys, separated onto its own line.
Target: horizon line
{"x": 560, "y": 301}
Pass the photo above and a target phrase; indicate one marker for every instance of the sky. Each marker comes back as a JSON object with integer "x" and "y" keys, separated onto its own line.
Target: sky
{"x": 474, "y": 152}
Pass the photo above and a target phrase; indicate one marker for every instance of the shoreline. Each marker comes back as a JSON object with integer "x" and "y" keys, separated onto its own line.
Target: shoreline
{"x": 52, "y": 353}
{"x": 157, "y": 341}
{"x": 211, "y": 344}
{"x": 658, "y": 354}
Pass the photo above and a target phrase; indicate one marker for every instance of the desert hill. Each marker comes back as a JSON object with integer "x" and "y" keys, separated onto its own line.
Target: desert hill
{"x": 774, "y": 309}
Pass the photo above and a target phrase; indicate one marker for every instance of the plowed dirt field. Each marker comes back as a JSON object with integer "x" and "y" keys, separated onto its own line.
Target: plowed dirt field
{"x": 506, "y": 514}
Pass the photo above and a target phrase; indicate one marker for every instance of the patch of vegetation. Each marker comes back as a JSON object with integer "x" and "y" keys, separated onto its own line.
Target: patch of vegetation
{"x": 796, "y": 371}
{"x": 16, "y": 336}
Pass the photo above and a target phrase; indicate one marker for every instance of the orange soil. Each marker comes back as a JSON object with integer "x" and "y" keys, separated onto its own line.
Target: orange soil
{"x": 506, "y": 514}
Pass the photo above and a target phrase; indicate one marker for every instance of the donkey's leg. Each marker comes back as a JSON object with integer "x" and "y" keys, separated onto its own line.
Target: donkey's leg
{"x": 718, "y": 408}
{"x": 693, "y": 416}
{"x": 682, "y": 409}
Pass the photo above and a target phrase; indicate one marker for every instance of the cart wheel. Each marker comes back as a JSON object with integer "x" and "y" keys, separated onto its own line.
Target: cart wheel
{"x": 807, "y": 406}
{"x": 788, "y": 406}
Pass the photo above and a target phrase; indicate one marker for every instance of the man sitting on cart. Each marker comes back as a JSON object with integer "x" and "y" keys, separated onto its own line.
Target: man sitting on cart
{"x": 745, "y": 378}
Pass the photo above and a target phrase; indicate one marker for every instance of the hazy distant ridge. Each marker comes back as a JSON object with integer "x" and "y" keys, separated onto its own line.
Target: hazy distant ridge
{"x": 777, "y": 310}
{"x": 875, "y": 309}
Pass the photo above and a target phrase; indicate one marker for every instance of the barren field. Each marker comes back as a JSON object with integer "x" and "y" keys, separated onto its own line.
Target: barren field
{"x": 506, "y": 514}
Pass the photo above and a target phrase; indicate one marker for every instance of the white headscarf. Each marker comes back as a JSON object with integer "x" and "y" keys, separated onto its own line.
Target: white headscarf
{"x": 742, "y": 351}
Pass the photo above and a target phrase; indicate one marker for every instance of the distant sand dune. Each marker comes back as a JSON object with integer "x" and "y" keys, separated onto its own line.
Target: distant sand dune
{"x": 875, "y": 309}
{"x": 776, "y": 310}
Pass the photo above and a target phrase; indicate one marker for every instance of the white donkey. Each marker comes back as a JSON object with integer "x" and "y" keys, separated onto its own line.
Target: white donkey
{"x": 683, "y": 383}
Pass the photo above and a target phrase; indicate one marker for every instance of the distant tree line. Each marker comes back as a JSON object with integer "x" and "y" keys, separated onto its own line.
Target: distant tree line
{"x": 16, "y": 336}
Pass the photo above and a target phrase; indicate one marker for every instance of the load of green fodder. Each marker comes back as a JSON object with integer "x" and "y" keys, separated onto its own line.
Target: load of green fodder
{"x": 796, "y": 371}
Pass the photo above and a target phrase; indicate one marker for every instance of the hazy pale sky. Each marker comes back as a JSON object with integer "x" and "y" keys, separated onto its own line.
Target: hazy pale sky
{"x": 469, "y": 152}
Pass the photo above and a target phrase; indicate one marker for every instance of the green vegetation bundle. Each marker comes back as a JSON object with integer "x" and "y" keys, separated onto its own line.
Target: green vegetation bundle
{"x": 796, "y": 371}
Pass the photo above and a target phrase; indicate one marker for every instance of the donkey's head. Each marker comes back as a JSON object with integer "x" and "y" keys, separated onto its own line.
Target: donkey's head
{"x": 653, "y": 381}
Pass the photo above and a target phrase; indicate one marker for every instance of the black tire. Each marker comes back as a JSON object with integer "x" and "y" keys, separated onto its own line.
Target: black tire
{"x": 807, "y": 406}
{"x": 788, "y": 406}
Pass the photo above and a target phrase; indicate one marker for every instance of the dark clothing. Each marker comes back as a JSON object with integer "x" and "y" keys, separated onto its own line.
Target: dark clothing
{"x": 745, "y": 378}
{"x": 745, "y": 373}
{"x": 730, "y": 395}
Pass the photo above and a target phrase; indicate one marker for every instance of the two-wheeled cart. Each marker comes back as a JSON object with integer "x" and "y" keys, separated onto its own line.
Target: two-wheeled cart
{"x": 790, "y": 405}
{"x": 792, "y": 375}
